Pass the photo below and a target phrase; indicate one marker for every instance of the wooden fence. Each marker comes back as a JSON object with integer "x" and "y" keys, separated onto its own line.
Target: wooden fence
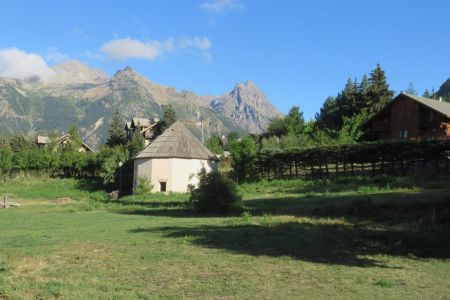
{"x": 397, "y": 158}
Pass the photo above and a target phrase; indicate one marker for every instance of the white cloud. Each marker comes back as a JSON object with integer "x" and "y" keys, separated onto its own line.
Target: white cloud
{"x": 197, "y": 43}
{"x": 55, "y": 56}
{"x": 202, "y": 43}
{"x": 218, "y": 6}
{"x": 15, "y": 63}
{"x": 122, "y": 49}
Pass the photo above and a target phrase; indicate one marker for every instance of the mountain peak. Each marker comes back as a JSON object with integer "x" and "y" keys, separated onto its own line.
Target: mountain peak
{"x": 74, "y": 71}
{"x": 247, "y": 105}
{"x": 126, "y": 72}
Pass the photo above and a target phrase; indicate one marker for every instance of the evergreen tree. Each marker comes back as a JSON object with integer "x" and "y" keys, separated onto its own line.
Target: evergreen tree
{"x": 169, "y": 117}
{"x": 411, "y": 89}
{"x": 116, "y": 132}
{"x": 136, "y": 143}
{"x": 295, "y": 123}
{"x": 379, "y": 93}
{"x": 426, "y": 94}
{"x": 277, "y": 127}
{"x": 347, "y": 100}
{"x": 363, "y": 94}
{"x": 329, "y": 115}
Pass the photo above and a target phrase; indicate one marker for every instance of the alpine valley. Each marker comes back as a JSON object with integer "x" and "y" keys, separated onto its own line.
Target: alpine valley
{"x": 77, "y": 94}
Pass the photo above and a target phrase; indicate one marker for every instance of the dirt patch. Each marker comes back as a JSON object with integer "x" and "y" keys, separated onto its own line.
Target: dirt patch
{"x": 62, "y": 201}
{"x": 28, "y": 267}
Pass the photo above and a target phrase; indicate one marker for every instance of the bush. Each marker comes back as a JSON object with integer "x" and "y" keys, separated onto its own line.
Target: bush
{"x": 215, "y": 193}
{"x": 143, "y": 187}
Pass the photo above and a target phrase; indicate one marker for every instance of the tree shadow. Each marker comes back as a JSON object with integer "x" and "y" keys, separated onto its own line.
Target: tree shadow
{"x": 147, "y": 204}
{"x": 94, "y": 184}
{"x": 335, "y": 244}
{"x": 354, "y": 183}
{"x": 416, "y": 209}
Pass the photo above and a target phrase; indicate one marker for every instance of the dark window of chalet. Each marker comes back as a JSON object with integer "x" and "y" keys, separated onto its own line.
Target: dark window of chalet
{"x": 404, "y": 134}
{"x": 163, "y": 186}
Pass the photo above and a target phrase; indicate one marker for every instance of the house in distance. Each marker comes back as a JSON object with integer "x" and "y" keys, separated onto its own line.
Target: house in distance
{"x": 171, "y": 162}
{"x": 147, "y": 127}
{"x": 410, "y": 117}
{"x": 62, "y": 141}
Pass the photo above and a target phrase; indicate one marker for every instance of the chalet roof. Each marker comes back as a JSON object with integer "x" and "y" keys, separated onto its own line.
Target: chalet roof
{"x": 43, "y": 139}
{"x": 149, "y": 127}
{"x": 438, "y": 106}
{"x": 143, "y": 122}
{"x": 86, "y": 147}
{"x": 176, "y": 141}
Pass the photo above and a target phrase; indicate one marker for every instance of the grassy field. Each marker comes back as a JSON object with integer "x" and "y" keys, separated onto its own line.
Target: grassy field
{"x": 348, "y": 238}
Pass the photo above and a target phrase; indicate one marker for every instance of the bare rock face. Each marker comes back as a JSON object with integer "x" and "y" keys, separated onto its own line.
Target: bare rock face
{"x": 247, "y": 106}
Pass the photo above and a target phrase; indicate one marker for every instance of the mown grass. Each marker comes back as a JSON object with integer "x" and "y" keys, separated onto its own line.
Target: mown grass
{"x": 347, "y": 238}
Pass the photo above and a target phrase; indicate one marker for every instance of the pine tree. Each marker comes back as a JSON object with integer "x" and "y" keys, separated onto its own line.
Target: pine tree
{"x": 411, "y": 89}
{"x": 169, "y": 117}
{"x": 116, "y": 132}
{"x": 379, "y": 93}
{"x": 295, "y": 123}
{"x": 329, "y": 115}
{"x": 136, "y": 143}
{"x": 426, "y": 94}
{"x": 347, "y": 100}
{"x": 363, "y": 94}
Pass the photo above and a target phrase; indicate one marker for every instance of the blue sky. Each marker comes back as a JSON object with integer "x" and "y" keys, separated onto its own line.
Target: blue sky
{"x": 297, "y": 52}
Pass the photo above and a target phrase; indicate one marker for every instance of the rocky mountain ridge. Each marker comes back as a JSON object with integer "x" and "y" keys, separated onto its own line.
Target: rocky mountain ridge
{"x": 87, "y": 98}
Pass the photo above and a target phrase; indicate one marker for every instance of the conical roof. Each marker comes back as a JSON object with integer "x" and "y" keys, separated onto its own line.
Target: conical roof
{"x": 176, "y": 141}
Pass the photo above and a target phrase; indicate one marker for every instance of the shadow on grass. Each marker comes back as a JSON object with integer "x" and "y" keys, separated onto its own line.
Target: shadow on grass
{"x": 355, "y": 183}
{"x": 90, "y": 184}
{"x": 314, "y": 242}
{"x": 415, "y": 209}
{"x": 404, "y": 224}
{"x": 147, "y": 204}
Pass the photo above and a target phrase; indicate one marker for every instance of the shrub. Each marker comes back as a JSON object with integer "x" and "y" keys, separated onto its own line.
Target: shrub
{"x": 215, "y": 193}
{"x": 143, "y": 187}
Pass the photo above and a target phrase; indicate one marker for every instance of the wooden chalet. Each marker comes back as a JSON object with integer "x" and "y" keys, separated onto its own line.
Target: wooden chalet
{"x": 410, "y": 117}
{"x": 147, "y": 127}
{"x": 62, "y": 141}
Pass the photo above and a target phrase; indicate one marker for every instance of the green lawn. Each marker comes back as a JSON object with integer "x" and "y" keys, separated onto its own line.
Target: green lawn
{"x": 347, "y": 238}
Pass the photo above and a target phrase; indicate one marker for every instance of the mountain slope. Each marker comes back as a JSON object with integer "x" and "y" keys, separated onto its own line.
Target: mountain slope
{"x": 87, "y": 98}
{"x": 247, "y": 106}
